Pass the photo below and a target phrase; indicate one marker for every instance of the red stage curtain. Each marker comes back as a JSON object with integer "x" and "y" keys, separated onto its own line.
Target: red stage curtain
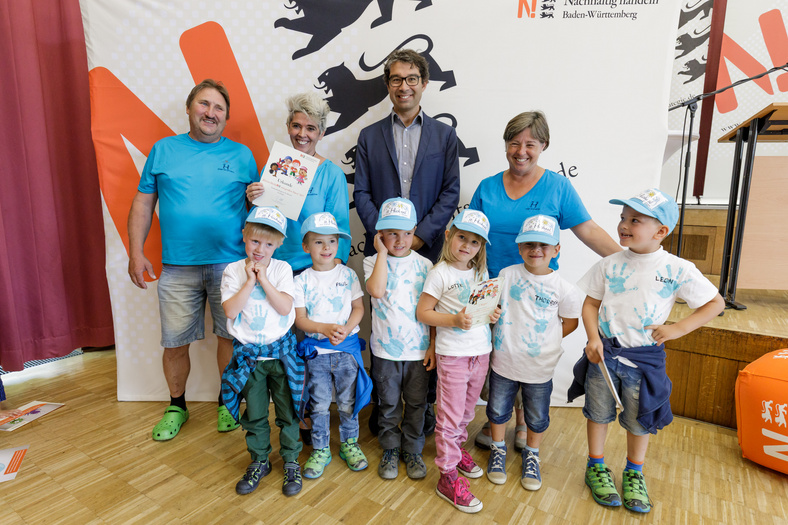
{"x": 53, "y": 286}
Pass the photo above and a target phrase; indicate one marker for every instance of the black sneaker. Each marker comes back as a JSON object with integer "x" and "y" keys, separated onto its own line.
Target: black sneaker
{"x": 292, "y": 483}
{"x": 256, "y": 471}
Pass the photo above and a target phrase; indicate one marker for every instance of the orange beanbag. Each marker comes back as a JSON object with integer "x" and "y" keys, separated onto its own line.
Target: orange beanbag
{"x": 762, "y": 410}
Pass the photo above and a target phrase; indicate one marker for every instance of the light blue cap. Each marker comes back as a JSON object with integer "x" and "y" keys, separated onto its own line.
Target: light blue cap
{"x": 396, "y": 214}
{"x": 268, "y": 216}
{"x": 654, "y": 203}
{"x": 539, "y": 228}
{"x": 323, "y": 223}
{"x": 473, "y": 221}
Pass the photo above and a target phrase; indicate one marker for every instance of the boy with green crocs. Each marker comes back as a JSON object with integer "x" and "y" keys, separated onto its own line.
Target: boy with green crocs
{"x": 257, "y": 297}
{"x": 629, "y": 297}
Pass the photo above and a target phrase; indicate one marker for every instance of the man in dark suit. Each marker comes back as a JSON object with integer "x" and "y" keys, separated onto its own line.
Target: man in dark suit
{"x": 408, "y": 154}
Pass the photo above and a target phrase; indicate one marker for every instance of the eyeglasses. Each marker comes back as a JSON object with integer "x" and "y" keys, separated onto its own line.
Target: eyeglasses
{"x": 410, "y": 80}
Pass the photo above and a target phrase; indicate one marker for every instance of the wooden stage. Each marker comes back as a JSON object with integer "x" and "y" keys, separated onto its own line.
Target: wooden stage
{"x": 704, "y": 364}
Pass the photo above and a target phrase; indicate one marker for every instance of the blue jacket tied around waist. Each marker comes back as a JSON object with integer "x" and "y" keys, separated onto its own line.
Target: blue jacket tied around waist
{"x": 352, "y": 345}
{"x": 244, "y": 361}
{"x": 654, "y": 404}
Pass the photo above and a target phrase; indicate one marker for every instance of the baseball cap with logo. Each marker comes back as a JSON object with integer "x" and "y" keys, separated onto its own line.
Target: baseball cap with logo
{"x": 473, "y": 221}
{"x": 396, "y": 214}
{"x": 323, "y": 223}
{"x": 539, "y": 228}
{"x": 654, "y": 203}
{"x": 268, "y": 216}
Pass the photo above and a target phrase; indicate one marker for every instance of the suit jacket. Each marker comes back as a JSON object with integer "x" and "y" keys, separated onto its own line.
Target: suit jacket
{"x": 435, "y": 188}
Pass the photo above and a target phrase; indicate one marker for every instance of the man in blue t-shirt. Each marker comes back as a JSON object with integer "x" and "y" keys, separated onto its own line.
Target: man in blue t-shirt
{"x": 199, "y": 180}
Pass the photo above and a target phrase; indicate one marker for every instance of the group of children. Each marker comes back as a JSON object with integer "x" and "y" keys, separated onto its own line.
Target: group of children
{"x": 419, "y": 322}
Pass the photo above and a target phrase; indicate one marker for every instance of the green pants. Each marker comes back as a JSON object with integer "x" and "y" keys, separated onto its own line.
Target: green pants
{"x": 269, "y": 378}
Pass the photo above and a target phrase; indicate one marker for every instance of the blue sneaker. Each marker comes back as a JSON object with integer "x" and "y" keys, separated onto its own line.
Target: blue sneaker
{"x": 532, "y": 476}
{"x": 496, "y": 466}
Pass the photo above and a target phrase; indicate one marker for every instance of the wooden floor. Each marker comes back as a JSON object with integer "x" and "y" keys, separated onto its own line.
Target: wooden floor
{"x": 93, "y": 461}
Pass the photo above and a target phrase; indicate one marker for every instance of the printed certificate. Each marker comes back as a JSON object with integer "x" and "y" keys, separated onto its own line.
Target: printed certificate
{"x": 287, "y": 176}
{"x": 30, "y": 412}
{"x": 483, "y": 300}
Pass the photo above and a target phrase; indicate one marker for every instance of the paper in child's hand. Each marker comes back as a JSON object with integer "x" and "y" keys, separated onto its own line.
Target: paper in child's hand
{"x": 483, "y": 300}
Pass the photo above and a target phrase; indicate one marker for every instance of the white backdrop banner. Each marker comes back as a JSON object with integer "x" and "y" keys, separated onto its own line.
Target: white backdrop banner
{"x": 599, "y": 69}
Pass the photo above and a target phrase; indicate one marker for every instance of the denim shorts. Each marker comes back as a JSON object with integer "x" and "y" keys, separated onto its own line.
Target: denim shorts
{"x": 182, "y": 294}
{"x": 600, "y": 405}
{"x": 536, "y": 401}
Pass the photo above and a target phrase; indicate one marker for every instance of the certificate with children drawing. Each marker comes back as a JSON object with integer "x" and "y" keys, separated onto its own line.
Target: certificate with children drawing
{"x": 30, "y": 412}
{"x": 483, "y": 300}
{"x": 287, "y": 176}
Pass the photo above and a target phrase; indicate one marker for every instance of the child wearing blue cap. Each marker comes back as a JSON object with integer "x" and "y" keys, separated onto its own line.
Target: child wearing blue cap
{"x": 463, "y": 351}
{"x": 539, "y": 308}
{"x": 257, "y": 297}
{"x": 629, "y": 296}
{"x": 329, "y": 305}
{"x": 395, "y": 277}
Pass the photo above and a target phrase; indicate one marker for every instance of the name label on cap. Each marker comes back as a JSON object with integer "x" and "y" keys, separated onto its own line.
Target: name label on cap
{"x": 271, "y": 214}
{"x": 477, "y": 218}
{"x": 652, "y": 198}
{"x": 540, "y": 224}
{"x": 396, "y": 209}
{"x": 324, "y": 220}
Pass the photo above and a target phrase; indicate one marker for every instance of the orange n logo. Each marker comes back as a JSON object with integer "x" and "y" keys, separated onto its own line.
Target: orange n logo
{"x": 530, "y": 8}
{"x": 116, "y": 113}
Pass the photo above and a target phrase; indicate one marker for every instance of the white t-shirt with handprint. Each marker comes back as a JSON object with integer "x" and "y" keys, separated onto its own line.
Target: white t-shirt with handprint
{"x": 527, "y": 337}
{"x": 258, "y": 322}
{"x": 638, "y": 290}
{"x": 396, "y": 334}
{"x": 327, "y": 296}
{"x": 452, "y": 289}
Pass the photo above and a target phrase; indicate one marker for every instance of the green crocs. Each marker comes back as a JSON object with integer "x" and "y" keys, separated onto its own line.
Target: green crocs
{"x": 600, "y": 480}
{"x": 634, "y": 490}
{"x": 169, "y": 425}
{"x": 225, "y": 422}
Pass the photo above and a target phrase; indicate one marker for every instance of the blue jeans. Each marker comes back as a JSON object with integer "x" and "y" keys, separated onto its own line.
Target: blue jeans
{"x": 182, "y": 294}
{"x": 600, "y": 405}
{"x": 338, "y": 370}
{"x": 536, "y": 401}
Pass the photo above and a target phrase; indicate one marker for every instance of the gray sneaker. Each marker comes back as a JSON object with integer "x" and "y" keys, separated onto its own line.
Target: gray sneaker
{"x": 415, "y": 465}
{"x": 389, "y": 464}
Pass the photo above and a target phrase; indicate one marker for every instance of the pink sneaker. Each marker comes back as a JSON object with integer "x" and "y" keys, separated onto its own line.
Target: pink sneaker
{"x": 455, "y": 490}
{"x": 468, "y": 466}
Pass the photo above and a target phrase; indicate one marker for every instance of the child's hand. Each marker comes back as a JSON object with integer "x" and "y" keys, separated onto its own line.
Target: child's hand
{"x": 260, "y": 271}
{"x": 251, "y": 271}
{"x": 495, "y": 315}
{"x": 254, "y": 190}
{"x": 664, "y": 332}
{"x": 379, "y": 246}
{"x": 463, "y": 320}
{"x": 339, "y": 334}
{"x": 595, "y": 351}
{"x": 430, "y": 362}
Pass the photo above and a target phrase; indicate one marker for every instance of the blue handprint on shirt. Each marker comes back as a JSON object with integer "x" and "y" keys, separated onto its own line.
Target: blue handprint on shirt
{"x": 395, "y": 345}
{"x": 258, "y": 294}
{"x": 669, "y": 283}
{"x": 532, "y": 344}
{"x": 647, "y": 319}
{"x": 517, "y": 289}
{"x": 617, "y": 281}
{"x": 604, "y": 324}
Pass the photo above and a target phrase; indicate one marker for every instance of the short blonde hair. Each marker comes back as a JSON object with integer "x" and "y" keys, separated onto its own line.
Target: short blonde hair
{"x": 479, "y": 261}
{"x": 533, "y": 120}
{"x": 256, "y": 228}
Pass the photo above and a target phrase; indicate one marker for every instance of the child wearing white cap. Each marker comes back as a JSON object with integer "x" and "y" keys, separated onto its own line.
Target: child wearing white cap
{"x": 395, "y": 277}
{"x": 629, "y": 297}
{"x": 257, "y": 297}
{"x": 539, "y": 308}
{"x": 463, "y": 351}
{"x": 329, "y": 305}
